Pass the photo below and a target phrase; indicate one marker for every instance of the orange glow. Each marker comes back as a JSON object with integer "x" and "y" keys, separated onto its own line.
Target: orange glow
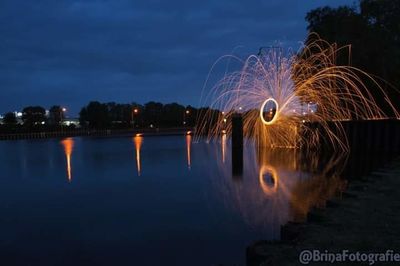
{"x": 223, "y": 144}
{"x": 139, "y": 135}
{"x": 267, "y": 188}
{"x": 189, "y": 133}
{"x": 138, "y": 140}
{"x": 270, "y": 122}
{"x": 188, "y": 144}
{"x": 136, "y": 111}
{"x": 68, "y": 144}
{"x": 308, "y": 86}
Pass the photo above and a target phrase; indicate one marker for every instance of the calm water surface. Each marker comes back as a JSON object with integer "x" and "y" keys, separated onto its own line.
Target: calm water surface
{"x": 148, "y": 200}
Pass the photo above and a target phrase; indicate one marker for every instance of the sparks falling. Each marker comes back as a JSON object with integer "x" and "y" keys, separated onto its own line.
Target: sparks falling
{"x": 282, "y": 98}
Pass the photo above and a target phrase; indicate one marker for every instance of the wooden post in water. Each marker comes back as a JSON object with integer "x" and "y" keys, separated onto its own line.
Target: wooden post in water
{"x": 237, "y": 144}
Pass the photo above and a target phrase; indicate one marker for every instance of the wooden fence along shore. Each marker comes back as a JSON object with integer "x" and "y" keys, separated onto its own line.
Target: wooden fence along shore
{"x": 381, "y": 136}
{"x": 105, "y": 132}
{"x": 372, "y": 135}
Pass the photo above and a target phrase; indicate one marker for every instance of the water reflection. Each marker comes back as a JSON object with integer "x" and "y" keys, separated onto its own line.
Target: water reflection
{"x": 278, "y": 185}
{"x": 188, "y": 151}
{"x": 268, "y": 179}
{"x": 68, "y": 145}
{"x": 138, "y": 140}
{"x": 223, "y": 147}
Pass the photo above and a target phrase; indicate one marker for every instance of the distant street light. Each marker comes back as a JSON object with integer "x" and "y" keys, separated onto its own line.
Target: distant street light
{"x": 186, "y": 113}
{"x": 62, "y": 111}
{"x": 135, "y": 111}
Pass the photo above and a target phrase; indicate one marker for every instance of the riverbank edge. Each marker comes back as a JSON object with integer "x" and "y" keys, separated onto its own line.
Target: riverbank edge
{"x": 98, "y": 133}
{"x": 364, "y": 218}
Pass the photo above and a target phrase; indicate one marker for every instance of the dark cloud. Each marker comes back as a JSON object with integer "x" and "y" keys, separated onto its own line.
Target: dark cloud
{"x": 71, "y": 52}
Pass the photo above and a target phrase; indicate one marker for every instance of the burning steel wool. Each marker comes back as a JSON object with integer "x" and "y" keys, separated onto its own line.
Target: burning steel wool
{"x": 283, "y": 98}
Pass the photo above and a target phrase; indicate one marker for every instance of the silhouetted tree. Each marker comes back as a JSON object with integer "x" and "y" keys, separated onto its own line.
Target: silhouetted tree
{"x": 56, "y": 115}
{"x": 119, "y": 114}
{"x": 152, "y": 113}
{"x": 190, "y": 116}
{"x": 173, "y": 115}
{"x": 373, "y": 30}
{"x": 95, "y": 115}
{"x": 33, "y": 116}
{"x": 10, "y": 119}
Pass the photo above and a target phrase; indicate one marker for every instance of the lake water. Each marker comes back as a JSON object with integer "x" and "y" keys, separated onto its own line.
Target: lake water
{"x": 149, "y": 200}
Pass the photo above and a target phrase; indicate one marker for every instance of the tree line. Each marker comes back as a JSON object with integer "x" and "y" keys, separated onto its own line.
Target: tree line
{"x": 134, "y": 115}
{"x": 373, "y": 29}
{"x": 33, "y": 118}
{"x": 97, "y": 115}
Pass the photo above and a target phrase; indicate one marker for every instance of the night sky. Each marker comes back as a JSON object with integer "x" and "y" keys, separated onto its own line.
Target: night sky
{"x": 70, "y": 52}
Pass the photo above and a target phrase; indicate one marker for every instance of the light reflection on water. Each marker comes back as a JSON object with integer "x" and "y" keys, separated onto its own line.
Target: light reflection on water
{"x": 138, "y": 140}
{"x": 223, "y": 147}
{"x": 188, "y": 147}
{"x": 68, "y": 145}
{"x": 277, "y": 186}
{"x": 185, "y": 200}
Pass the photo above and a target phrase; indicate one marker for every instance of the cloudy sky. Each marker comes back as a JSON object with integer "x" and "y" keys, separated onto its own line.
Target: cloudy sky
{"x": 70, "y": 52}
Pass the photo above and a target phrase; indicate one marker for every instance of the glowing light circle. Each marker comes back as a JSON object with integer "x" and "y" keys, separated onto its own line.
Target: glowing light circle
{"x": 262, "y": 111}
{"x": 269, "y": 189}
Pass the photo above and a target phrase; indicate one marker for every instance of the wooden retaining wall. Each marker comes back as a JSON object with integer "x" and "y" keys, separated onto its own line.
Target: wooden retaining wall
{"x": 369, "y": 135}
{"x": 106, "y": 132}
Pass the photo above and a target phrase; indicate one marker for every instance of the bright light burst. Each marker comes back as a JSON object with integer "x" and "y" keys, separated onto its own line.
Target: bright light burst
{"x": 297, "y": 100}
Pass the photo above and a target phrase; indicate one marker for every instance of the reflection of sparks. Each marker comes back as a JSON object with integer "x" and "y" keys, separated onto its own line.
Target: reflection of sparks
{"x": 223, "y": 144}
{"x": 267, "y": 188}
{"x": 306, "y": 87}
{"x": 188, "y": 143}
{"x": 138, "y": 140}
{"x": 68, "y": 147}
{"x": 291, "y": 192}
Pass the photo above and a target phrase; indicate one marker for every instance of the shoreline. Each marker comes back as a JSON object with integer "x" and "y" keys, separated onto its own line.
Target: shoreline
{"x": 363, "y": 218}
{"x": 97, "y": 133}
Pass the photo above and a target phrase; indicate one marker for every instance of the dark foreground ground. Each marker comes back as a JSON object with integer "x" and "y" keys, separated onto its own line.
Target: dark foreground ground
{"x": 365, "y": 218}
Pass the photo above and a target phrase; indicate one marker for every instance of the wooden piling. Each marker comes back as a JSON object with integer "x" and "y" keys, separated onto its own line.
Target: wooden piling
{"x": 237, "y": 144}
